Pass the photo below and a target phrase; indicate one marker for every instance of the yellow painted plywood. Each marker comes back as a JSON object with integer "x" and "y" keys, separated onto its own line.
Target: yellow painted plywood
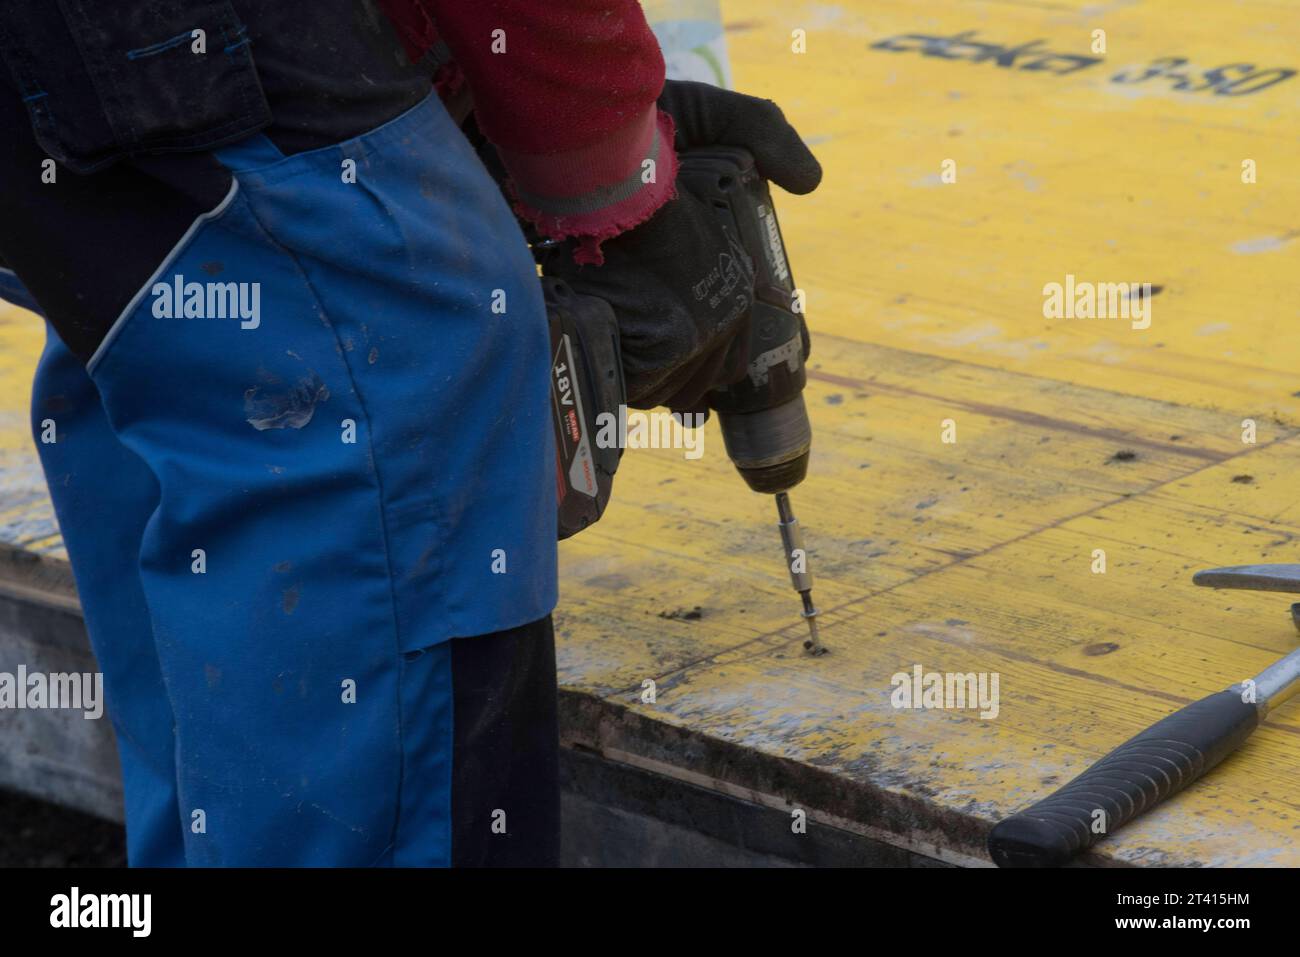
{"x": 1056, "y": 174}
{"x": 926, "y": 303}
{"x": 26, "y": 518}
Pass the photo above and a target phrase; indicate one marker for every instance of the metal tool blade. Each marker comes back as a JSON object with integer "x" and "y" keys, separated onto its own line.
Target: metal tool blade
{"x": 1281, "y": 577}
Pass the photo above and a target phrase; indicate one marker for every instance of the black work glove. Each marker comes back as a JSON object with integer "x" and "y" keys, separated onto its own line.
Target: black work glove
{"x": 682, "y": 293}
{"x": 710, "y": 116}
{"x": 680, "y": 286}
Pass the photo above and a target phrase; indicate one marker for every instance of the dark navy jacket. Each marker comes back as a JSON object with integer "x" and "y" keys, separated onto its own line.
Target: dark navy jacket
{"x": 129, "y": 98}
{"x": 100, "y": 87}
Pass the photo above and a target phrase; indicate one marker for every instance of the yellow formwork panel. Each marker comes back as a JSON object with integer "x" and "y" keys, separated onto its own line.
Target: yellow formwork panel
{"x": 1056, "y": 174}
{"x": 26, "y": 518}
{"x": 925, "y": 298}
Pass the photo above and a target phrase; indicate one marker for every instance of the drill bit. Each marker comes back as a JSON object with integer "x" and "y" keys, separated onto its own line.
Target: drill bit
{"x": 796, "y": 559}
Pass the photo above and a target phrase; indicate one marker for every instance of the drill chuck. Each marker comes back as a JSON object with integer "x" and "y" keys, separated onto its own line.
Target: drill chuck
{"x": 769, "y": 447}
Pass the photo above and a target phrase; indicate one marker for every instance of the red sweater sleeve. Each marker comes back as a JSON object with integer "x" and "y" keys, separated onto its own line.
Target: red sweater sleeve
{"x": 565, "y": 90}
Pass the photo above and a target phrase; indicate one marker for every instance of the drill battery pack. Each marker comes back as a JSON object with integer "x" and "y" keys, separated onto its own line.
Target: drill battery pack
{"x": 586, "y": 384}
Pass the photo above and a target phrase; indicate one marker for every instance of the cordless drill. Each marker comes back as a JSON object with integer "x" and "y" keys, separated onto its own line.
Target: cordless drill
{"x": 763, "y": 417}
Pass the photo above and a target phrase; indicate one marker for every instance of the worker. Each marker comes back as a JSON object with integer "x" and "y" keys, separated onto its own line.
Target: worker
{"x": 293, "y": 405}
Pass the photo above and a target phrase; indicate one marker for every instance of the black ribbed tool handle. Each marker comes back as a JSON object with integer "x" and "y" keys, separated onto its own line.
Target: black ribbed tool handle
{"x": 1133, "y": 778}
